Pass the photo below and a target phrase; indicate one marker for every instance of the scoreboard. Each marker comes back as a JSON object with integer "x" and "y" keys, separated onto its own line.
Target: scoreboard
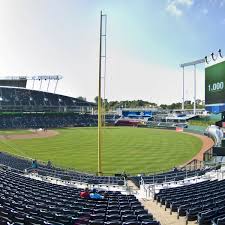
{"x": 215, "y": 87}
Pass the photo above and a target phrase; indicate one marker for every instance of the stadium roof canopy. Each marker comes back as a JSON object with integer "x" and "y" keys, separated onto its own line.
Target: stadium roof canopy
{"x": 36, "y": 77}
{"x": 21, "y": 81}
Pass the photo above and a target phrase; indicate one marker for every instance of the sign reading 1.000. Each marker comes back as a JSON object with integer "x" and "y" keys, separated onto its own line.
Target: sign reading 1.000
{"x": 214, "y": 84}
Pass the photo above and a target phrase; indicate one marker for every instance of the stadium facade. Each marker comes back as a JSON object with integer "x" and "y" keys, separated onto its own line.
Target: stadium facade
{"x": 23, "y": 108}
{"x": 15, "y": 97}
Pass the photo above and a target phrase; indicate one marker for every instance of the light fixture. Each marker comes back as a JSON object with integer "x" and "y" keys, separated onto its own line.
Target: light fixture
{"x": 220, "y": 53}
{"x": 206, "y": 60}
{"x": 213, "y": 56}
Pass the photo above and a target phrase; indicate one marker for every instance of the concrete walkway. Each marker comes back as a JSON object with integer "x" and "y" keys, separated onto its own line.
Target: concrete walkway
{"x": 163, "y": 216}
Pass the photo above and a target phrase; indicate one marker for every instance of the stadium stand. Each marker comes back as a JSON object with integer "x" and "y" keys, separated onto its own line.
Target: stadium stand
{"x": 21, "y": 165}
{"x": 167, "y": 176}
{"x": 14, "y": 99}
{"x": 49, "y": 120}
{"x": 203, "y": 201}
{"x": 25, "y": 201}
{"x": 46, "y": 120}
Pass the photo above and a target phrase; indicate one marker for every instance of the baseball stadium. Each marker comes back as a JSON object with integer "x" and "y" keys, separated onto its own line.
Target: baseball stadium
{"x": 65, "y": 160}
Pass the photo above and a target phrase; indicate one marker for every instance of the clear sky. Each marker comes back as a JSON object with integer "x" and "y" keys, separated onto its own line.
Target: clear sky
{"x": 147, "y": 40}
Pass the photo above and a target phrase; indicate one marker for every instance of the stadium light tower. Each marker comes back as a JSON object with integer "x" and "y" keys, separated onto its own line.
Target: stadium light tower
{"x": 193, "y": 63}
{"x": 101, "y": 56}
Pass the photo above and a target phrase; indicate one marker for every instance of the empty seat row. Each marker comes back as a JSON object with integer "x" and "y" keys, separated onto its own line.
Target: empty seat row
{"x": 27, "y": 201}
{"x": 22, "y": 164}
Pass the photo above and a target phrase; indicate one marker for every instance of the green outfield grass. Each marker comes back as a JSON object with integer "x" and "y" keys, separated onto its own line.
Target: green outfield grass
{"x": 133, "y": 150}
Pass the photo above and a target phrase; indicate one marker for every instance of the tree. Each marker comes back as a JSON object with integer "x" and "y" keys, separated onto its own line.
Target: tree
{"x": 82, "y": 98}
{"x": 96, "y": 100}
{"x": 163, "y": 106}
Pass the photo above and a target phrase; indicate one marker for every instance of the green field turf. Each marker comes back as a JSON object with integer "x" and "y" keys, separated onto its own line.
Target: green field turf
{"x": 13, "y": 131}
{"x": 133, "y": 150}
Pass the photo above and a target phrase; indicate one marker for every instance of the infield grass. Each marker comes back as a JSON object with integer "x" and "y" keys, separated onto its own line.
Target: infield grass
{"x": 133, "y": 150}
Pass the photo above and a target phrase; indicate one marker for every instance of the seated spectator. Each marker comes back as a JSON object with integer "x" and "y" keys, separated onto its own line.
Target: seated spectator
{"x": 95, "y": 195}
{"x": 85, "y": 193}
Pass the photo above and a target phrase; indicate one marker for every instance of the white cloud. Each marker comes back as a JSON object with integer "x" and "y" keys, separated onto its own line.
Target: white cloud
{"x": 184, "y": 2}
{"x": 174, "y": 7}
{"x": 173, "y": 10}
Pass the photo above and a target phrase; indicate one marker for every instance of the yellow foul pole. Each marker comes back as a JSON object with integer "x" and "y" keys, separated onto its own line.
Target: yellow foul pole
{"x": 100, "y": 104}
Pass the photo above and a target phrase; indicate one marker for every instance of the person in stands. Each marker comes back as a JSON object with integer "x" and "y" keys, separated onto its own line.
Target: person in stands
{"x": 34, "y": 166}
{"x": 85, "y": 193}
{"x": 95, "y": 195}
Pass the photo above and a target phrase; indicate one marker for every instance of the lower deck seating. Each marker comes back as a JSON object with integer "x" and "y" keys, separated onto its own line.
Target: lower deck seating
{"x": 169, "y": 176}
{"x": 25, "y": 201}
{"x": 22, "y": 164}
{"x": 204, "y": 201}
{"x": 35, "y": 121}
{"x": 48, "y": 120}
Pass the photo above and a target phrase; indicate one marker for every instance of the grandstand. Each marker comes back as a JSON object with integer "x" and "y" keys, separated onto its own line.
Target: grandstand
{"x": 15, "y": 99}
{"x": 203, "y": 202}
{"x": 27, "y": 201}
{"x": 28, "y": 108}
{"x": 46, "y": 120}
